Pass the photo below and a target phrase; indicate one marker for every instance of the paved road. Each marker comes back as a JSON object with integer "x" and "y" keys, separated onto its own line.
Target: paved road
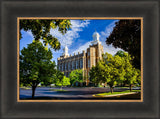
{"x": 70, "y": 93}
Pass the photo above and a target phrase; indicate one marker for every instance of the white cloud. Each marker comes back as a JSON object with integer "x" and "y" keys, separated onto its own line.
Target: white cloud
{"x": 29, "y": 33}
{"x": 108, "y": 30}
{"x": 103, "y": 35}
{"x": 83, "y": 47}
{"x": 26, "y": 34}
{"x": 67, "y": 39}
{"x": 110, "y": 49}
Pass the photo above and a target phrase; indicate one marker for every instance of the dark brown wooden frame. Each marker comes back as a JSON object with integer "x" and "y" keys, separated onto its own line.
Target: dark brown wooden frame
{"x": 147, "y": 9}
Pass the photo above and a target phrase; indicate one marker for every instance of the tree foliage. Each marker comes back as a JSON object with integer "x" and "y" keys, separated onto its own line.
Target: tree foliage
{"x": 95, "y": 75}
{"x": 127, "y": 36}
{"x": 115, "y": 70}
{"x": 76, "y": 75}
{"x": 132, "y": 75}
{"x": 40, "y": 29}
{"x": 63, "y": 82}
{"x": 58, "y": 77}
{"x": 36, "y": 65}
{"x": 120, "y": 53}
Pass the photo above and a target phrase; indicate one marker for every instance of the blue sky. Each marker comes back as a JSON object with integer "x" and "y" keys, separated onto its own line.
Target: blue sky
{"x": 78, "y": 38}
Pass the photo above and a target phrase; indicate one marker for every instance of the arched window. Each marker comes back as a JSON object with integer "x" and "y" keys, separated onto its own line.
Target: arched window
{"x": 76, "y": 64}
{"x": 72, "y": 64}
{"x": 62, "y": 67}
{"x": 68, "y": 65}
{"x": 81, "y": 63}
{"x": 65, "y": 66}
{"x": 88, "y": 62}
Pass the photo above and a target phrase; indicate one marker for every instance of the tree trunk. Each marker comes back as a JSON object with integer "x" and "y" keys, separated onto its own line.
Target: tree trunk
{"x": 130, "y": 87}
{"x": 81, "y": 84}
{"x": 33, "y": 91}
{"x": 111, "y": 89}
{"x": 95, "y": 84}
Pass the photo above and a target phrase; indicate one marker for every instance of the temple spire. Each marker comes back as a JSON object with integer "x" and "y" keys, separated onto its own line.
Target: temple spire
{"x": 95, "y": 38}
{"x": 65, "y": 51}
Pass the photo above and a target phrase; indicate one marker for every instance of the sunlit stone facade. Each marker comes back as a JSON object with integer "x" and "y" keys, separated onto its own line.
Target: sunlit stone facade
{"x": 85, "y": 60}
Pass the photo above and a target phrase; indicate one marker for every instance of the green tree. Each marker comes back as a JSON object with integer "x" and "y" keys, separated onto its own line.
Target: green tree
{"x": 40, "y": 29}
{"x": 127, "y": 36}
{"x": 58, "y": 77}
{"x": 110, "y": 69}
{"x": 120, "y": 53}
{"x": 76, "y": 75}
{"x": 113, "y": 70}
{"x": 36, "y": 65}
{"x": 132, "y": 75}
{"x": 95, "y": 75}
{"x": 63, "y": 82}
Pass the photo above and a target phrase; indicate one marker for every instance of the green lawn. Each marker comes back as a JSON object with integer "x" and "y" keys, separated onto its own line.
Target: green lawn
{"x": 114, "y": 93}
{"x": 27, "y": 88}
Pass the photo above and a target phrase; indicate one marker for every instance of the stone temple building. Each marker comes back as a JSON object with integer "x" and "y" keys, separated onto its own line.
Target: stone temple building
{"x": 85, "y": 60}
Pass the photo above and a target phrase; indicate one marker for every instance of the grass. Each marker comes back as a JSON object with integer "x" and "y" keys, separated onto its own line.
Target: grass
{"x": 115, "y": 93}
{"x": 27, "y": 88}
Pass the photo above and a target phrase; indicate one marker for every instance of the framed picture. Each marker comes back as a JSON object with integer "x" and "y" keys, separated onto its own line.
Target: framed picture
{"x": 74, "y": 77}
{"x": 83, "y": 59}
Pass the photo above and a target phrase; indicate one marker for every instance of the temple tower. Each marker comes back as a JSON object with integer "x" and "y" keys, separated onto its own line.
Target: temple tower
{"x": 65, "y": 51}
